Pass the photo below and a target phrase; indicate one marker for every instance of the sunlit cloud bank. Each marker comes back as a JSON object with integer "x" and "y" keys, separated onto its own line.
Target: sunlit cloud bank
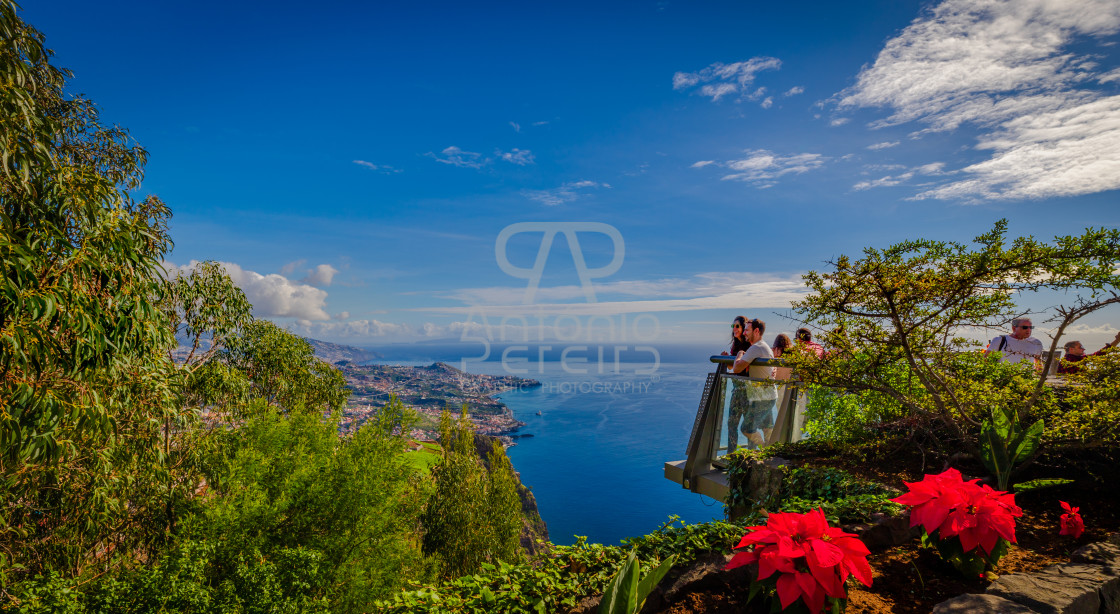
{"x": 272, "y": 296}
{"x": 1010, "y": 69}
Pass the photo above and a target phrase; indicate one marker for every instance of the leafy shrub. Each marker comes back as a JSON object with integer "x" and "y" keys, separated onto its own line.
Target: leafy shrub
{"x": 284, "y": 482}
{"x": 474, "y": 514}
{"x": 564, "y": 576}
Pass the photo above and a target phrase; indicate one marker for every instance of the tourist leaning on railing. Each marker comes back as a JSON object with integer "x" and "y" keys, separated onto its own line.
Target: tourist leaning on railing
{"x": 805, "y": 340}
{"x": 758, "y": 414}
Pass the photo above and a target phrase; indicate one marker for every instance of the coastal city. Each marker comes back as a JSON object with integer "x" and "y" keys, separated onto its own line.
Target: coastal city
{"x": 428, "y": 391}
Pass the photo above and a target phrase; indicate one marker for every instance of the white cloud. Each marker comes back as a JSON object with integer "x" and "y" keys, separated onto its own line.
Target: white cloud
{"x": 934, "y": 168}
{"x": 290, "y": 268}
{"x": 734, "y": 290}
{"x": 762, "y": 167}
{"x": 719, "y": 79}
{"x": 457, "y": 157}
{"x": 271, "y": 295}
{"x": 883, "y": 145}
{"x": 793, "y": 91}
{"x": 1062, "y": 153}
{"x": 356, "y": 330}
{"x": 320, "y": 275}
{"x": 563, "y": 194}
{"x": 382, "y": 168}
{"x": 1016, "y": 71}
{"x": 520, "y": 157}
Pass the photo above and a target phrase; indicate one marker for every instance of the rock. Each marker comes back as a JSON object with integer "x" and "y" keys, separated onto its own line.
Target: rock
{"x": 888, "y": 532}
{"x": 980, "y": 604}
{"x": 1067, "y": 589}
{"x": 764, "y": 479}
{"x": 1101, "y": 553}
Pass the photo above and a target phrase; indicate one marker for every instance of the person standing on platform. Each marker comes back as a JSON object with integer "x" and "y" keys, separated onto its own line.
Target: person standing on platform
{"x": 1019, "y": 346}
{"x": 758, "y": 419}
{"x": 805, "y": 339}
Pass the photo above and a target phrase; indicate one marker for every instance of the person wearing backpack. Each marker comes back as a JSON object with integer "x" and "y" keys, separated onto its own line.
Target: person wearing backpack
{"x": 1019, "y": 346}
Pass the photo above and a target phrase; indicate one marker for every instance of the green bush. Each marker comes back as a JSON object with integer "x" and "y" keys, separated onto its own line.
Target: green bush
{"x": 286, "y": 482}
{"x": 474, "y": 514}
{"x": 564, "y": 576}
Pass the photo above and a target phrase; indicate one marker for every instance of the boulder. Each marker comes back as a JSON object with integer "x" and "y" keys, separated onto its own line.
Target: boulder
{"x": 980, "y": 604}
{"x": 1071, "y": 588}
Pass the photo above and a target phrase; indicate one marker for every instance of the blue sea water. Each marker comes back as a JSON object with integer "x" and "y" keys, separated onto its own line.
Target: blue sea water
{"x": 595, "y": 461}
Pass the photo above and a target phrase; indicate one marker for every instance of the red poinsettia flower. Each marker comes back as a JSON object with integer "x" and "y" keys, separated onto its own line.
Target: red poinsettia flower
{"x": 811, "y": 559}
{"x": 948, "y": 506}
{"x": 1071, "y": 521}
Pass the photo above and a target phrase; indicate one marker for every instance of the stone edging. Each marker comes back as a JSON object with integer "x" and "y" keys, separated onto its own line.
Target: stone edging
{"x": 1088, "y": 584}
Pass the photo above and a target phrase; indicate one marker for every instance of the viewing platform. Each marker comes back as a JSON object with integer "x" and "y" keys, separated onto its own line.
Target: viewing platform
{"x": 731, "y": 408}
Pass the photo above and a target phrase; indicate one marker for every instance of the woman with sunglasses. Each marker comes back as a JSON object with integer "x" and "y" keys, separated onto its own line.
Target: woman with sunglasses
{"x": 739, "y": 342}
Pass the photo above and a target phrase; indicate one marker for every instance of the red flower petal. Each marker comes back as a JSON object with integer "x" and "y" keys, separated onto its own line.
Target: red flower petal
{"x": 788, "y": 589}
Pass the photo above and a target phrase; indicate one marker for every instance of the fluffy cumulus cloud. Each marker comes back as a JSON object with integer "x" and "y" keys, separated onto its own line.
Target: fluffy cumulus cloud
{"x": 272, "y": 296}
{"x": 719, "y": 79}
{"x": 1016, "y": 70}
{"x": 763, "y": 168}
{"x": 320, "y": 276}
{"x": 572, "y": 190}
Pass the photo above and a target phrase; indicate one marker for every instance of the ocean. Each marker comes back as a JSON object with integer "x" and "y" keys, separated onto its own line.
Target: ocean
{"x": 599, "y": 439}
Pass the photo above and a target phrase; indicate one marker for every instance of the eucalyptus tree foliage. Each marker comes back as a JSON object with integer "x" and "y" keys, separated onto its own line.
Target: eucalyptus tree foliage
{"x": 474, "y": 514}
{"x": 84, "y": 378}
{"x": 282, "y": 369}
{"x": 206, "y": 308}
{"x": 898, "y": 321}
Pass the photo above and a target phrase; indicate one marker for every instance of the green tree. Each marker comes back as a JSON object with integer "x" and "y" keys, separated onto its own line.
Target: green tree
{"x": 282, "y": 369}
{"x": 287, "y": 480}
{"x": 473, "y": 515}
{"x": 84, "y": 379}
{"x": 899, "y": 318}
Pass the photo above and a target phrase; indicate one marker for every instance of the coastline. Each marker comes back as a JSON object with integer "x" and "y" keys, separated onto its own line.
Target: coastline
{"x": 428, "y": 390}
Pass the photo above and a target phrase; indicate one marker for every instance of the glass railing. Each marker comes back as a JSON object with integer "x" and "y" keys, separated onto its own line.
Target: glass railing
{"x": 743, "y": 411}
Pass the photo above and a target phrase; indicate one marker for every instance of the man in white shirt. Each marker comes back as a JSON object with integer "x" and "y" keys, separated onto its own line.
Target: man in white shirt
{"x": 1019, "y": 346}
{"x": 758, "y": 415}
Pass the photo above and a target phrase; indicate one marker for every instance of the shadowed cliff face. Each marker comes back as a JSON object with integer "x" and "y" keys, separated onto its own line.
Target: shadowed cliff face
{"x": 533, "y": 527}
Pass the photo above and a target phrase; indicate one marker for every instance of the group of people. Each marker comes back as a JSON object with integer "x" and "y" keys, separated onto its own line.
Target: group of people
{"x": 751, "y": 410}
{"x": 1021, "y": 347}
{"x": 752, "y": 405}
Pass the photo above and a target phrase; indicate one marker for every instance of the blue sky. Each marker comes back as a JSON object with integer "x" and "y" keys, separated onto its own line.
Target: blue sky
{"x": 354, "y": 164}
